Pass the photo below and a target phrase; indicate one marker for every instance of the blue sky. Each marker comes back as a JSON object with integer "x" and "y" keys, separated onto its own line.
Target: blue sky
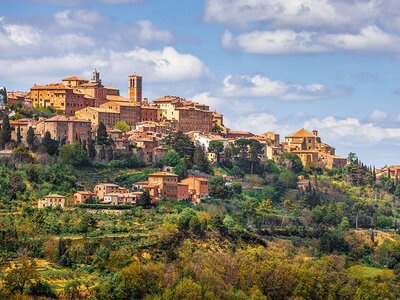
{"x": 267, "y": 65}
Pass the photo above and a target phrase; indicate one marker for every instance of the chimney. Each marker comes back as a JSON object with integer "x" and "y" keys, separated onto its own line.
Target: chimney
{"x": 315, "y": 132}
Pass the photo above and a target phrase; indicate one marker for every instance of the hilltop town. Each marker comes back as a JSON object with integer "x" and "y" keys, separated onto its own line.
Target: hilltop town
{"x": 80, "y": 106}
{"x": 109, "y": 197}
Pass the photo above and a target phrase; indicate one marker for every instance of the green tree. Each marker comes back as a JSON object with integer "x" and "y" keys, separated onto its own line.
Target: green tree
{"x": 102, "y": 136}
{"x": 121, "y": 125}
{"x": 19, "y": 277}
{"x": 91, "y": 149}
{"x": 18, "y": 136}
{"x": 50, "y": 145}
{"x": 144, "y": 200}
{"x": 30, "y": 137}
{"x": 265, "y": 210}
{"x": 292, "y": 162}
{"x": 182, "y": 144}
{"x": 217, "y": 187}
{"x": 344, "y": 225}
{"x": 172, "y": 158}
{"x": 200, "y": 159}
{"x": 87, "y": 223}
{"x": 216, "y": 147}
{"x": 5, "y": 130}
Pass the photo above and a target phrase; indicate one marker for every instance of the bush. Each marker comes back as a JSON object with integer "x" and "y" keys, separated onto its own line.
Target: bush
{"x": 41, "y": 288}
{"x": 104, "y": 206}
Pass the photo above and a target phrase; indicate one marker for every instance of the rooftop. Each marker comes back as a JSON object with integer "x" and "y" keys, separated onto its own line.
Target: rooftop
{"x": 74, "y": 78}
{"x": 55, "y": 196}
{"x": 163, "y": 174}
{"x": 302, "y": 133}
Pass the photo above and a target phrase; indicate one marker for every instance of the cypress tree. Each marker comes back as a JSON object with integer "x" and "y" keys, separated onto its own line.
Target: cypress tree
{"x": 5, "y": 130}
{"x": 18, "y": 136}
{"x": 30, "y": 136}
{"x": 91, "y": 149}
{"x": 102, "y": 135}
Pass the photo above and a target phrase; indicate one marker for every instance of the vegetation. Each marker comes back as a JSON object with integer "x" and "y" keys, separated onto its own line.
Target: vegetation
{"x": 258, "y": 236}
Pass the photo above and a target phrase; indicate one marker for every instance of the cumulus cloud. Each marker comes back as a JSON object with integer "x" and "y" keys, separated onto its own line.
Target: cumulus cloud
{"x": 352, "y": 131}
{"x": 167, "y": 65}
{"x": 307, "y": 26}
{"x": 261, "y": 86}
{"x": 22, "y": 35}
{"x": 328, "y": 14}
{"x": 370, "y": 39}
{"x": 224, "y": 105}
{"x": 378, "y": 115}
{"x": 80, "y": 30}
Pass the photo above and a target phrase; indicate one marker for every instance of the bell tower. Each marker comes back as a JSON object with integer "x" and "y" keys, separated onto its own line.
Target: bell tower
{"x": 96, "y": 77}
{"x": 135, "y": 88}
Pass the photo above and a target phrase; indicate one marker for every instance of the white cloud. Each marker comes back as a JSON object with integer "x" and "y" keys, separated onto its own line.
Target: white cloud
{"x": 378, "y": 115}
{"x": 167, "y": 65}
{"x": 370, "y": 39}
{"x": 260, "y": 86}
{"x": 308, "y": 26}
{"x": 351, "y": 130}
{"x": 224, "y": 105}
{"x": 78, "y": 19}
{"x": 78, "y": 30}
{"x": 257, "y": 123}
{"x": 329, "y": 14}
{"x": 22, "y": 35}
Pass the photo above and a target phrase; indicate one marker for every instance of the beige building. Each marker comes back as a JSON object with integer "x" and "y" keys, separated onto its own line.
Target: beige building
{"x": 311, "y": 150}
{"x": 99, "y": 114}
{"x": 198, "y": 187}
{"x": 61, "y": 127}
{"x": 107, "y": 188}
{"x": 128, "y": 111}
{"x": 52, "y": 200}
{"x": 57, "y": 96}
{"x": 191, "y": 116}
{"x": 167, "y": 184}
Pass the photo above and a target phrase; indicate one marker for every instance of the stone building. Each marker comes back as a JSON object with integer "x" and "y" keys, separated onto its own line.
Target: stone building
{"x": 311, "y": 150}
{"x": 128, "y": 111}
{"x": 57, "y": 96}
{"x": 61, "y": 127}
{"x": 52, "y": 200}
{"x": 198, "y": 186}
{"x": 167, "y": 184}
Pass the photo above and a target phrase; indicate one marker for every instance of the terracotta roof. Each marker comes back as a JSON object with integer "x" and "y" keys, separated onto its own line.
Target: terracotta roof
{"x": 302, "y": 133}
{"x": 149, "y": 107}
{"x": 117, "y": 98}
{"x": 64, "y": 119}
{"x": 124, "y": 103}
{"x": 163, "y": 174}
{"x": 75, "y": 78}
{"x": 53, "y": 86}
{"x": 89, "y": 84}
{"x": 110, "y": 88}
{"x": 150, "y": 186}
{"x": 101, "y": 109}
{"x": 134, "y": 75}
{"x": 108, "y": 184}
{"x": 55, "y": 195}
{"x": 84, "y": 192}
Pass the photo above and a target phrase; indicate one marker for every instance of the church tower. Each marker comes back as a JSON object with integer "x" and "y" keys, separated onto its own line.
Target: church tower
{"x": 96, "y": 77}
{"x": 135, "y": 88}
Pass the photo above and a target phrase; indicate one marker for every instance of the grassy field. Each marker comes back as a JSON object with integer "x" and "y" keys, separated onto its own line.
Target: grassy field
{"x": 368, "y": 272}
